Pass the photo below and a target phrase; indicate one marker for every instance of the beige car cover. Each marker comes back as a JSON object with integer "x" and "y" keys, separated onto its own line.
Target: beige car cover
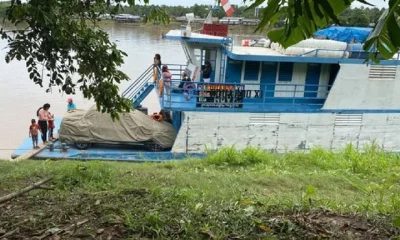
{"x": 91, "y": 126}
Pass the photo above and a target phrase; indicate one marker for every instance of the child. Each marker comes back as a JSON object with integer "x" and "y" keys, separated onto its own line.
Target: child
{"x": 51, "y": 126}
{"x": 34, "y": 132}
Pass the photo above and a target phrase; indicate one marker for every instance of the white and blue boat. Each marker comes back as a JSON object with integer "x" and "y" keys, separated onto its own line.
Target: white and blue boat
{"x": 317, "y": 93}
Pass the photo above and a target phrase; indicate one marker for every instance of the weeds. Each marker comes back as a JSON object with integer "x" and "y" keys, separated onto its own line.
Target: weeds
{"x": 231, "y": 194}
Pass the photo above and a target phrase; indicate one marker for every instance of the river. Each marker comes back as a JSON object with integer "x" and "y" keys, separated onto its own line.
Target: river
{"x": 20, "y": 97}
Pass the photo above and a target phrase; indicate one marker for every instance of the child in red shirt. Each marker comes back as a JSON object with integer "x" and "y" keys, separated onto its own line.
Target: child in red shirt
{"x": 51, "y": 126}
{"x": 34, "y": 130}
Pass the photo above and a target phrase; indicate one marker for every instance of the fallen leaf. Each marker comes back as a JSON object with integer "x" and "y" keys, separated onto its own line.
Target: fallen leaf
{"x": 265, "y": 229}
{"x": 100, "y": 231}
{"x": 249, "y": 210}
{"x": 208, "y": 234}
{"x": 198, "y": 206}
{"x": 247, "y": 202}
{"x": 53, "y": 230}
{"x": 97, "y": 202}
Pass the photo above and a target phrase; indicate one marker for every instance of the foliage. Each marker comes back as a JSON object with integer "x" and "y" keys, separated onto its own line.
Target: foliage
{"x": 61, "y": 39}
{"x": 256, "y": 195}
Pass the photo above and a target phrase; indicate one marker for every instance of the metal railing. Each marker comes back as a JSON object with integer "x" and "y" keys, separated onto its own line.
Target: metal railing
{"x": 139, "y": 83}
{"x": 260, "y": 96}
{"x": 323, "y": 53}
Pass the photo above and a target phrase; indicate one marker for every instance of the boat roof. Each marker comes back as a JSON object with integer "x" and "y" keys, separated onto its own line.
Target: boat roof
{"x": 197, "y": 38}
{"x": 255, "y": 53}
{"x": 263, "y": 54}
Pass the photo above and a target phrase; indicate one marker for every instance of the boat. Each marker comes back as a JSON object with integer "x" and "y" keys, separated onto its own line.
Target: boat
{"x": 127, "y": 18}
{"x": 317, "y": 93}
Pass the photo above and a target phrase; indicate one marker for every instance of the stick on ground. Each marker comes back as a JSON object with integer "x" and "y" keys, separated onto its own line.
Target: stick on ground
{"x": 37, "y": 185}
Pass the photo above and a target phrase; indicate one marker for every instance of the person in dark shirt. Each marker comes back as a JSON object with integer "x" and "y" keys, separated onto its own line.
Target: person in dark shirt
{"x": 206, "y": 71}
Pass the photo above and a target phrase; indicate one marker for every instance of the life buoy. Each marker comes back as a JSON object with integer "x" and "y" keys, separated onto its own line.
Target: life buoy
{"x": 157, "y": 117}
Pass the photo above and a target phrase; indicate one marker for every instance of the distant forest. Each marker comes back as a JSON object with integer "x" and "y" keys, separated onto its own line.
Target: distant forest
{"x": 361, "y": 17}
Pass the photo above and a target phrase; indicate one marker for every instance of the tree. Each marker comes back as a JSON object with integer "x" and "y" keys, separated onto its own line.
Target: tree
{"x": 62, "y": 38}
{"x": 358, "y": 18}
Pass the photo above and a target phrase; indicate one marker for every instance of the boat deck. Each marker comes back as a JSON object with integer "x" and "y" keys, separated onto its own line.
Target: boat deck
{"x": 179, "y": 103}
{"x": 294, "y": 99}
{"x": 99, "y": 152}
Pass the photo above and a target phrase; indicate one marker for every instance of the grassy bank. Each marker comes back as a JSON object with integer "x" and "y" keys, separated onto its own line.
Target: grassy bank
{"x": 231, "y": 194}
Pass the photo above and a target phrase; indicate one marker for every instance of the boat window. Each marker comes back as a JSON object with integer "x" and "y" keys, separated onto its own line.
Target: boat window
{"x": 198, "y": 54}
{"x": 285, "y": 71}
{"x": 251, "y": 71}
{"x": 209, "y": 55}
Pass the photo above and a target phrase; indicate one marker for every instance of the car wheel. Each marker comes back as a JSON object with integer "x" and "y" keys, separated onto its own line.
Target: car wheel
{"x": 82, "y": 146}
{"x": 154, "y": 147}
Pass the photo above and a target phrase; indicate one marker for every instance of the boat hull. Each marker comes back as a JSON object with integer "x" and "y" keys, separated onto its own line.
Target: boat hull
{"x": 282, "y": 132}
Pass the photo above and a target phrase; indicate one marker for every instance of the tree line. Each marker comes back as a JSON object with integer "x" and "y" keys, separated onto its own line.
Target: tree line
{"x": 361, "y": 17}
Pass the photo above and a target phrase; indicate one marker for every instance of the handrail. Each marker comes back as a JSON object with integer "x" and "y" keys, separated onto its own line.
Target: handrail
{"x": 140, "y": 85}
{"x": 315, "y": 51}
{"x": 138, "y": 80}
{"x": 146, "y": 76}
{"x": 253, "y": 84}
{"x": 310, "y": 98}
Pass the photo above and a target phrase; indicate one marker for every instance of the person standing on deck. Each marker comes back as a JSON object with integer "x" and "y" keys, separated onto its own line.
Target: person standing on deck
{"x": 34, "y": 130}
{"x": 71, "y": 105}
{"x": 43, "y": 115}
{"x": 51, "y": 126}
{"x": 167, "y": 78}
{"x": 206, "y": 71}
{"x": 156, "y": 64}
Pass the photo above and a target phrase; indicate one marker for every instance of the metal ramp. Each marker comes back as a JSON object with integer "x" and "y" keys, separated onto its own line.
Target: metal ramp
{"x": 141, "y": 87}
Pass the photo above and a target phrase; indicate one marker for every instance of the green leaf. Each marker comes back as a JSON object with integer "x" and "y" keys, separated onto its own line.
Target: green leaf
{"x": 396, "y": 222}
{"x": 310, "y": 190}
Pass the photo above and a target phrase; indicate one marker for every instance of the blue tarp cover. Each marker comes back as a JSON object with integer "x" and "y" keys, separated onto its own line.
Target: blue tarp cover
{"x": 345, "y": 34}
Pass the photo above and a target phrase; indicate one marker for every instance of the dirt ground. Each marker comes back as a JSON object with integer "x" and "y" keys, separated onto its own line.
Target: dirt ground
{"x": 82, "y": 217}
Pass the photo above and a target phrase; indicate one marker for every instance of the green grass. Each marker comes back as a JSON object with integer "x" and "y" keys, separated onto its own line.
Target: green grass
{"x": 229, "y": 194}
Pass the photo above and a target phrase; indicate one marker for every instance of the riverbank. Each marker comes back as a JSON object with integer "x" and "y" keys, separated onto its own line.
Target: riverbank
{"x": 233, "y": 29}
{"x": 228, "y": 195}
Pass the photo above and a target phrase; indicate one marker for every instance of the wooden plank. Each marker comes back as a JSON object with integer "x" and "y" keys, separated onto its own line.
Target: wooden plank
{"x": 33, "y": 152}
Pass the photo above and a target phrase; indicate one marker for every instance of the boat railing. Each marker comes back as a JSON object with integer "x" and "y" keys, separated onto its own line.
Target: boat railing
{"x": 138, "y": 84}
{"x": 244, "y": 95}
{"x": 148, "y": 77}
{"x": 176, "y": 70}
{"x": 336, "y": 53}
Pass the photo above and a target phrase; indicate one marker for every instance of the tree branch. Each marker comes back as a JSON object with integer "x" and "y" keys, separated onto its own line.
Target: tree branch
{"x": 25, "y": 190}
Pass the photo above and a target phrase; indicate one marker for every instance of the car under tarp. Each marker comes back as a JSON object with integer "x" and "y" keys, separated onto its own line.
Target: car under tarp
{"x": 92, "y": 126}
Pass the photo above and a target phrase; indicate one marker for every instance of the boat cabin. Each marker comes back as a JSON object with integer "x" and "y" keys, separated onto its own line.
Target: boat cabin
{"x": 260, "y": 76}
{"x": 314, "y": 75}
